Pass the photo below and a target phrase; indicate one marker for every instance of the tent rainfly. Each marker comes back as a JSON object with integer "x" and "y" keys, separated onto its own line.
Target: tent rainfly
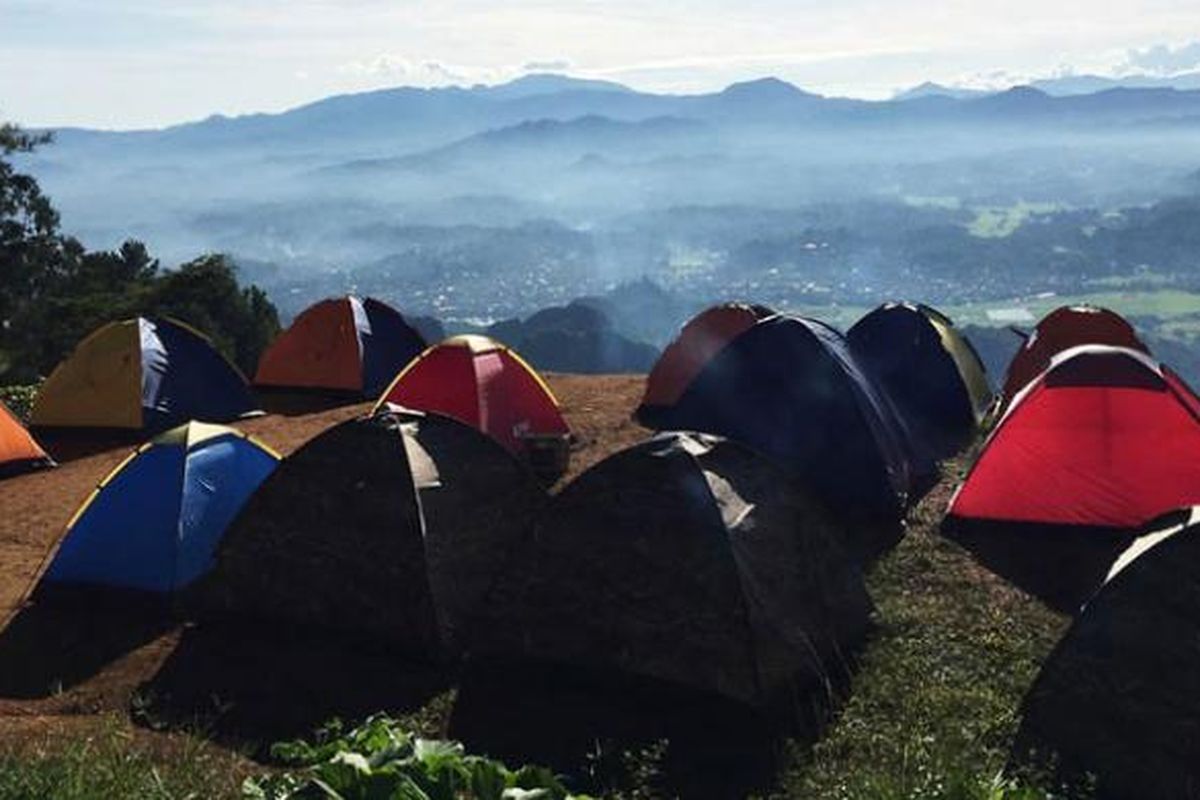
{"x": 1101, "y": 441}
{"x": 19, "y": 452}
{"x": 790, "y": 388}
{"x": 689, "y": 560}
{"x": 142, "y": 374}
{"x": 389, "y": 527}
{"x": 928, "y": 369}
{"x": 1114, "y": 709}
{"x": 343, "y": 345}
{"x": 152, "y": 525}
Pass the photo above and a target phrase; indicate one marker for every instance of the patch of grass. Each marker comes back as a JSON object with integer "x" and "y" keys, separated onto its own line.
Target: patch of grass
{"x": 936, "y": 700}
{"x": 1163, "y": 303}
{"x": 997, "y": 222}
{"x": 110, "y": 765}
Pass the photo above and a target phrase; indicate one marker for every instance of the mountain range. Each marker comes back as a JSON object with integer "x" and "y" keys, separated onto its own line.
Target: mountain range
{"x": 491, "y": 201}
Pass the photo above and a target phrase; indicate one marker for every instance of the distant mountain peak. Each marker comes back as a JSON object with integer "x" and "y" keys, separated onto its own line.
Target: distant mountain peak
{"x": 540, "y": 83}
{"x": 931, "y": 89}
{"x": 765, "y": 89}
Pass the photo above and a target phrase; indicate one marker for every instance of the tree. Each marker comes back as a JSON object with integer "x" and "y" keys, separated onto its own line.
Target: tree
{"x": 205, "y": 294}
{"x": 53, "y": 291}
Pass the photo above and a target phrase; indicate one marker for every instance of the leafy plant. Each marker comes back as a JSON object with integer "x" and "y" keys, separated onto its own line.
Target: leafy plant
{"x": 379, "y": 761}
{"x": 19, "y": 399}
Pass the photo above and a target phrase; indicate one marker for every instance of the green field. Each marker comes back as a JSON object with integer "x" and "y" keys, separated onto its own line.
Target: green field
{"x": 1173, "y": 307}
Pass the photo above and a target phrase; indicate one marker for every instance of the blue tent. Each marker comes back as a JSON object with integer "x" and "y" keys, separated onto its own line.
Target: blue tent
{"x": 143, "y": 374}
{"x": 155, "y": 521}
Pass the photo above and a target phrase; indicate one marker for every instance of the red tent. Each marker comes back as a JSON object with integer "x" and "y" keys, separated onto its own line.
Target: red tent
{"x": 699, "y": 340}
{"x": 1102, "y": 441}
{"x": 1061, "y": 329}
{"x": 1105, "y": 437}
{"x": 481, "y": 382}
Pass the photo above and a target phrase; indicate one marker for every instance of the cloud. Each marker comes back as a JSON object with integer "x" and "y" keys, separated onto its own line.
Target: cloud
{"x": 553, "y": 65}
{"x": 427, "y": 72}
{"x": 1164, "y": 59}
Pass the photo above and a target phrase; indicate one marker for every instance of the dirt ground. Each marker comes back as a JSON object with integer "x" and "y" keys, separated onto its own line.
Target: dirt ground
{"x": 70, "y": 669}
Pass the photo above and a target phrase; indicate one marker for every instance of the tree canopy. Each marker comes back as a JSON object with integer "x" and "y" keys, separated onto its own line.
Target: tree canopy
{"x": 53, "y": 290}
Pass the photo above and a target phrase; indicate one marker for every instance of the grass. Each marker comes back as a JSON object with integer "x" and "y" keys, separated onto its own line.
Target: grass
{"x": 110, "y": 763}
{"x": 936, "y": 699}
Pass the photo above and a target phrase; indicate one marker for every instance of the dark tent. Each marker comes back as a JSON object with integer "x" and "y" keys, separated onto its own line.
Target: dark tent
{"x": 689, "y": 560}
{"x": 701, "y": 338}
{"x": 790, "y": 388}
{"x": 390, "y": 527}
{"x": 1101, "y": 441}
{"x": 1117, "y": 703}
{"x": 929, "y": 371}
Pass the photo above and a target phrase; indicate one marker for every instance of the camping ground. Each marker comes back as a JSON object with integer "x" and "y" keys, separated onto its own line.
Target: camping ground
{"x": 932, "y": 706}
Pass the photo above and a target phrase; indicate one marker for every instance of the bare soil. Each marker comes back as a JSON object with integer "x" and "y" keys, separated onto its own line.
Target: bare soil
{"x": 67, "y": 668}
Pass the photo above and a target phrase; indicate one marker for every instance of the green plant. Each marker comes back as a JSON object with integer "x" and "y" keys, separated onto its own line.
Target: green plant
{"x": 111, "y": 764}
{"x": 378, "y": 760}
{"x": 19, "y": 399}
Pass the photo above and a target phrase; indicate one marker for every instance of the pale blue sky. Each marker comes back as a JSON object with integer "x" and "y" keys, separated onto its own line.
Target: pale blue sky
{"x": 133, "y": 63}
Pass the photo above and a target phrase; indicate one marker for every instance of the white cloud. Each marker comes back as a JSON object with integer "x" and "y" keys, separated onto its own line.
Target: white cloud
{"x": 550, "y": 65}
{"x": 1165, "y": 59}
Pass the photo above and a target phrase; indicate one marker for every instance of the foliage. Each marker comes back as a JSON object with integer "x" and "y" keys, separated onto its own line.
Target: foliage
{"x": 19, "y": 400}
{"x": 108, "y": 766}
{"x": 379, "y": 760}
{"x": 53, "y": 291}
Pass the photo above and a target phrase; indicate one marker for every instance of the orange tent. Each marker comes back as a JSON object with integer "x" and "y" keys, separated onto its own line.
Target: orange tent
{"x": 481, "y": 382}
{"x": 18, "y": 450}
{"x": 341, "y": 345}
{"x": 699, "y": 340}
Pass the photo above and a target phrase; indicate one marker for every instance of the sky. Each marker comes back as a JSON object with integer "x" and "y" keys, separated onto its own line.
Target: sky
{"x": 149, "y": 63}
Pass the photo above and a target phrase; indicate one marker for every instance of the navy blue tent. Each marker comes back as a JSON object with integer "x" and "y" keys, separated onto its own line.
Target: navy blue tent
{"x": 790, "y": 388}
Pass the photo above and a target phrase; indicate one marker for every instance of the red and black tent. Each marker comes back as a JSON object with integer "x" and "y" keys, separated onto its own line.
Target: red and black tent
{"x": 1103, "y": 440}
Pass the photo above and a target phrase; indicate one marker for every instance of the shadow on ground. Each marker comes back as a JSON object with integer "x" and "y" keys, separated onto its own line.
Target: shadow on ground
{"x": 254, "y": 684}
{"x": 1060, "y": 565}
{"x": 57, "y": 643}
{"x": 299, "y": 403}
{"x": 605, "y": 733}
{"x": 71, "y": 444}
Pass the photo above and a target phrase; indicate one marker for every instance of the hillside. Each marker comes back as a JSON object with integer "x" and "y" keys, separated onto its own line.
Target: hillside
{"x": 900, "y": 734}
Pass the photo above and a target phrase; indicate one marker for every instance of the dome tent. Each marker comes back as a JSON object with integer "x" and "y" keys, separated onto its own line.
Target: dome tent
{"x": 153, "y": 523}
{"x": 686, "y": 559}
{"x": 790, "y": 388}
{"x": 341, "y": 345}
{"x": 18, "y": 450}
{"x": 701, "y": 338}
{"x": 481, "y": 382}
{"x": 389, "y": 527}
{"x": 1115, "y": 705}
{"x": 1063, "y": 328}
{"x": 1101, "y": 441}
{"x": 142, "y": 374}
{"x": 928, "y": 369}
